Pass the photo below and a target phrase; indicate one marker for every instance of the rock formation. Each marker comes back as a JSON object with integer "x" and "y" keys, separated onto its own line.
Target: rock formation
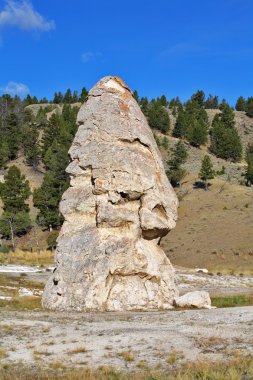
{"x": 120, "y": 204}
{"x": 199, "y": 299}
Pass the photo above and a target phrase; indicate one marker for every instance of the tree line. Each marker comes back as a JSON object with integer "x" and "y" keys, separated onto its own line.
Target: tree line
{"x": 68, "y": 97}
{"x": 42, "y": 142}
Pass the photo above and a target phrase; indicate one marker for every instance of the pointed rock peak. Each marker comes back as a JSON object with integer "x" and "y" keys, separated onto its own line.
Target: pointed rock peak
{"x": 112, "y": 84}
{"x": 118, "y": 207}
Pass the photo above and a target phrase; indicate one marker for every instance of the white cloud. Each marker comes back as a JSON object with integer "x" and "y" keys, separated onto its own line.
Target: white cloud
{"x": 13, "y": 88}
{"x": 22, "y": 15}
{"x": 90, "y": 56}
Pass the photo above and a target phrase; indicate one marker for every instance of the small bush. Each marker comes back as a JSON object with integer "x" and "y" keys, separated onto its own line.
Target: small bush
{"x": 221, "y": 172}
{"x": 4, "y": 248}
{"x": 52, "y": 239}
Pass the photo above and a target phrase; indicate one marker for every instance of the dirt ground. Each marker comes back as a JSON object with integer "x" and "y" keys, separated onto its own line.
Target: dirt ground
{"x": 125, "y": 340}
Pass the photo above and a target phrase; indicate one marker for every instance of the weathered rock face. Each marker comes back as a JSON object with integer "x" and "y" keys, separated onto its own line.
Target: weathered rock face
{"x": 118, "y": 207}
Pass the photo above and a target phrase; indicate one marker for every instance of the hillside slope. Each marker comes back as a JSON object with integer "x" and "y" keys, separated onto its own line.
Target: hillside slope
{"x": 214, "y": 226}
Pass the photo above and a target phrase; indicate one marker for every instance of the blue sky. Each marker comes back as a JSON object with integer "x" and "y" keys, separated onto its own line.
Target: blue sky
{"x": 157, "y": 47}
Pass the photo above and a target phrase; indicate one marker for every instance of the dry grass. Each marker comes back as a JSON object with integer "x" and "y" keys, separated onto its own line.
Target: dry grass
{"x": 10, "y": 285}
{"x": 3, "y": 353}
{"x": 212, "y": 344}
{"x": 236, "y": 369}
{"x": 174, "y": 356}
{"x": 78, "y": 350}
{"x": 19, "y": 281}
{"x": 25, "y": 257}
{"x": 21, "y": 303}
{"x": 127, "y": 356}
{"x": 208, "y": 236}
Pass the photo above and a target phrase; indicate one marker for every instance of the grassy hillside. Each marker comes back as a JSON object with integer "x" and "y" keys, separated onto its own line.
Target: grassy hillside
{"x": 214, "y": 228}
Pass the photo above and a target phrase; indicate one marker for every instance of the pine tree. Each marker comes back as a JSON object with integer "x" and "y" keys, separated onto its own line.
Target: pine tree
{"x": 75, "y": 97}
{"x": 28, "y": 116}
{"x": 158, "y": 117}
{"x": 136, "y": 96}
{"x": 212, "y": 102}
{"x": 206, "y": 171}
{"x": 249, "y": 170}
{"x": 223, "y": 104}
{"x": 175, "y": 102}
{"x": 30, "y": 135}
{"x": 67, "y": 97}
{"x": 28, "y": 100}
{"x": 12, "y": 134}
{"x": 199, "y": 98}
{"x": 165, "y": 143}
{"x": 163, "y": 101}
{"x": 4, "y": 153}
{"x": 240, "y": 104}
{"x": 225, "y": 140}
{"x": 51, "y": 131}
{"x": 197, "y": 132}
{"x": 41, "y": 118}
{"x": 44, "y": 100}
{"x": 192, "y": 122}
{"x": 35, "y": 100}
{"x": 227, "y": 117}
{"x": 144, "y": 106}
{"x": 55, "y": 181}
{"x": 181, "y": 124}
{"x": 58, "y": 97}
{"x": 14, "y": 193}
{"x": 175, "y": 172}
{"x": 249, "y": 107}
{"x": 84, "y": 95}
{"x": 14, "y": 224}
{"x": 47, "y": 199}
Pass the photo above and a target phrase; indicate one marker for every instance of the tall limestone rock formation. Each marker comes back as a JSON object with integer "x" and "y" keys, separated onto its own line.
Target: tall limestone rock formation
{"x": 120, "y": 204}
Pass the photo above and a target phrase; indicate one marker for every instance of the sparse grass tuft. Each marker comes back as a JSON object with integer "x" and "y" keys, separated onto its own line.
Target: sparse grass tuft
{"x": 127, "y": 356}
{"x": 78, "y": 350}
{"x": 174, "y": 356}
{"x": 3, "y": 353}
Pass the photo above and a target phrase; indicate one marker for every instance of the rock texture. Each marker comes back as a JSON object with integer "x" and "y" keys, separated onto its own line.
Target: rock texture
{"x": 199, "y": 299}
{"x": 119, "y": 206}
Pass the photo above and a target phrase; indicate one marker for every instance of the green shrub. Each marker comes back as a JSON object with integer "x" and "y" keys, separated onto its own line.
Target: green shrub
{"x": 52, "y": 239}
{"x": 4, "y": 248}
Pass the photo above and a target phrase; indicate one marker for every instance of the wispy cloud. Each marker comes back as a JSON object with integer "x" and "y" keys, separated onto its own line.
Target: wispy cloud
{"x": 182, "y": 49}
{"x": 22, "y": 15}
{"x": 185, "y": 50}
{"x": 90, "y": 56}
{"x": 13, "y": 88}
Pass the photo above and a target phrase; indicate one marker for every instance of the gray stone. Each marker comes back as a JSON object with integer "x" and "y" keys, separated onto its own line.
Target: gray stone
{"x": 119, "y": 206}
{"x": 199, "y": 299}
